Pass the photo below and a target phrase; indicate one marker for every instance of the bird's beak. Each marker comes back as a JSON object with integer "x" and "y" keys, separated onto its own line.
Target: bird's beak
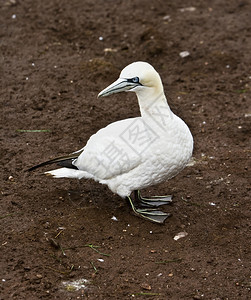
{"x": 120, "y": 85}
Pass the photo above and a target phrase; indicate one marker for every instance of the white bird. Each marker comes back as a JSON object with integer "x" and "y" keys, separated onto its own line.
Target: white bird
{"x": 135, "y": 153}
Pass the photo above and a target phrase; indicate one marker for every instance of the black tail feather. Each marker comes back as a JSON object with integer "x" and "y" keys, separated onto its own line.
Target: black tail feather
{"x": 64, "y": 161}
{"x": 67, "y": 164}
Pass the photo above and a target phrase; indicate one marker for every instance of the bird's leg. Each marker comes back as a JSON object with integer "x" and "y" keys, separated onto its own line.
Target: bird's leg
{"x": 152, "y": 202}
{"x": 149, "y": 214}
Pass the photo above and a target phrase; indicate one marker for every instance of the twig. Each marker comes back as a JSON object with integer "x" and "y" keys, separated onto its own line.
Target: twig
{"x": 93, "y": 247}
{"x": 33, "y": 130}
{"x": 8, "y": 215}
{"x": 95, "y": 269}
{"x": 59, "y": 233}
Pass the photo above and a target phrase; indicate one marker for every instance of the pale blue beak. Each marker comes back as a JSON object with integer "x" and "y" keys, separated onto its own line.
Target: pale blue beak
{"x": 120, "y": 85}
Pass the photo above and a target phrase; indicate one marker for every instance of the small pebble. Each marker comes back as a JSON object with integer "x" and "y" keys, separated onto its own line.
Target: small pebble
{"x": 166, "y": 18}
{"x": 180, "y": 235}
{"x": 146, "y": 286}
{"x": 189, "y": 9}
{"x": 184, "y": 54}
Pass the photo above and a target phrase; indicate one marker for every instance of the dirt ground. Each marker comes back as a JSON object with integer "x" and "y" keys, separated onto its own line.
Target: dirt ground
{"x": 58, "y": 238}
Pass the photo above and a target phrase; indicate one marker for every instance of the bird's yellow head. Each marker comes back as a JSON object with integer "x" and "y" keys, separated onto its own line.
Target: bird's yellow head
{"x": 139, "y": 77}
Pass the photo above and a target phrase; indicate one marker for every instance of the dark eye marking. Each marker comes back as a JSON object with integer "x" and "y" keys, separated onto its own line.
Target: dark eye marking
{"x": 133, "y": 80}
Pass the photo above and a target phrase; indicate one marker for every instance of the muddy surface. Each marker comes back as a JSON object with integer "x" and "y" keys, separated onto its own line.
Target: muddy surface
{"x": 58, "y": 238}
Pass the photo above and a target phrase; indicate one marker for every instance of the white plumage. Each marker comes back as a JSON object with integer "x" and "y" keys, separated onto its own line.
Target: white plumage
{"x": 135, "y": 153}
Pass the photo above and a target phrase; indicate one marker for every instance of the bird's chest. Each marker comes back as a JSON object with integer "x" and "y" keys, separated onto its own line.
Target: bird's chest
{"x": 170, "y": 153}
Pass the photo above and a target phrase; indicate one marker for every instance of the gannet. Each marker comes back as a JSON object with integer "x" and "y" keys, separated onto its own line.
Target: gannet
{"x": 132, "y": 154}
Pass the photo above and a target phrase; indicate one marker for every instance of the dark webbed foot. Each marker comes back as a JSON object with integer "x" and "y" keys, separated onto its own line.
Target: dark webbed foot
{"x": 155, "y": 201}
{"x": 149, "y": 214}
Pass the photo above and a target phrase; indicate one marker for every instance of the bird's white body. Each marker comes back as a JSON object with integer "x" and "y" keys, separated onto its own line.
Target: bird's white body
{"x": 135, "y": 153}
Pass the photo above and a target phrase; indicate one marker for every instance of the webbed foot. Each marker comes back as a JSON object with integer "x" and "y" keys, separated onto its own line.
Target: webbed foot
{"x": 149, "y": 214}
{"x": 155, "y": 201}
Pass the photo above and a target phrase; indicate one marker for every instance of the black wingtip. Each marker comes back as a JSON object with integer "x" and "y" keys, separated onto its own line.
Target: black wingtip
{"x": 63, "y": 161}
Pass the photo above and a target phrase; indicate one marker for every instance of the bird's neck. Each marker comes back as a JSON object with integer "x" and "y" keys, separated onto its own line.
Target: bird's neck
{"x": 154, "y": 107}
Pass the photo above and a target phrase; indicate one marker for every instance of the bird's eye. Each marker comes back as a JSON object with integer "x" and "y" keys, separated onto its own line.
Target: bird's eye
{"x": 134, "y": 80}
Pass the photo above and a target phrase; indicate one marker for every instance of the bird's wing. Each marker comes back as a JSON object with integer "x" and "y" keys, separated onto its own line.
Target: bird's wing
{"x": 115, "y": 149}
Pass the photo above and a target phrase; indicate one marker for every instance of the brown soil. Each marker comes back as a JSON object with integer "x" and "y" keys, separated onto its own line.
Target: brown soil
{"x": 53, "y": 64}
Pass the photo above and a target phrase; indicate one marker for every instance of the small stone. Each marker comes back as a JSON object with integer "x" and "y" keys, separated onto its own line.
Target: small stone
{"x": 184, "y": 54}
{"x": 46, "y": 225}
{"x": 165, "y": 18}
{"x": 114, "y": 218}
{"x": 180, "y": 235}
{"x": 110, "y": 50}
{"x": 145, "y": 286}
{"x": 11, "y": 178}
{"x": 188, "y": 9}
{"x": 39, "y": 276}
